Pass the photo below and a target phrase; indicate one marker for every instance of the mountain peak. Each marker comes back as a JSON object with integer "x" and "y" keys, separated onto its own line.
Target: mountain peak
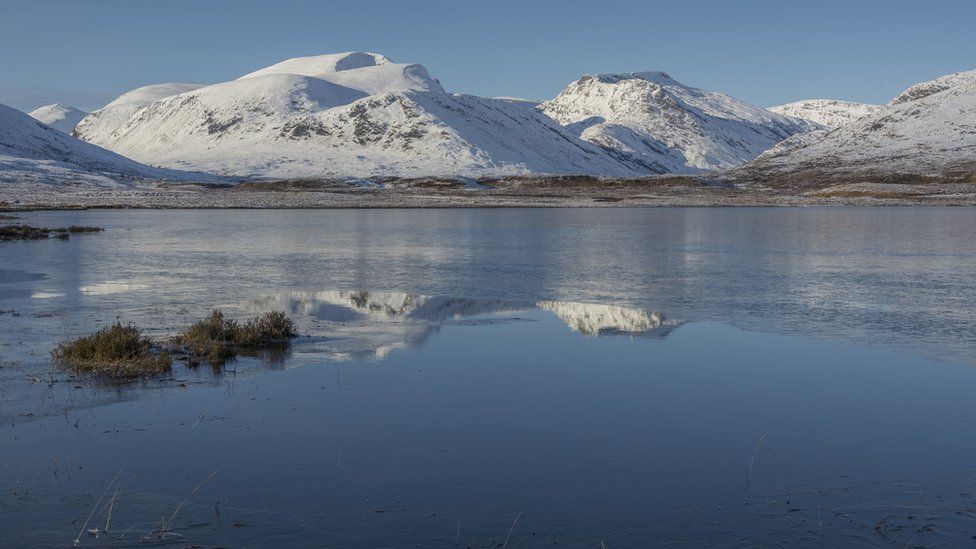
{"x": 318, "y": 65}
{"x": 657, "y": 77}
{"x": 370, "y": 73}
{"x": 61, "y": 117}
{"x": 659, "y": 121}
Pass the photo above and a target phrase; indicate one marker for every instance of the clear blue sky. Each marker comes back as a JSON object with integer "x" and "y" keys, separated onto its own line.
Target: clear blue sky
{"x": 85, "y": 53}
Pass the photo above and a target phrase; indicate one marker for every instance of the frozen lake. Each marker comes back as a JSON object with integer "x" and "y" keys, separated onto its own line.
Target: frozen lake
{"x": 725, "y": 377}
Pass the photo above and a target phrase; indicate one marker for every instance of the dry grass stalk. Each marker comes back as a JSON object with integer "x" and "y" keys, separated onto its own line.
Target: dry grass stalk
{"x": 752, "y": 461}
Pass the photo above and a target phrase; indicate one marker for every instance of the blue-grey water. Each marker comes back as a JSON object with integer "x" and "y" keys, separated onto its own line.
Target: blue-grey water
{"x": 502, "y": 378}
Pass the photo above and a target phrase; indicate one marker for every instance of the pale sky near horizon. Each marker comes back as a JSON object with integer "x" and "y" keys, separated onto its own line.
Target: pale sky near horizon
{"x": 764, "y": 52}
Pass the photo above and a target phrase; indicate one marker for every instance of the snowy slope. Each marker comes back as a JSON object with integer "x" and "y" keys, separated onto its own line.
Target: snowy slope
{"x": 63, "y": 118}
{"x": 925, "y": 89}
{"x": 829, "y": 113}
{"x": 932, "y": 135}
{"x": 32, "y": 152}
{"x": 652, "y": 117}
{"x": 794, "y": 142}
{"x": 99, "y": 125}
{"x": 304, "y": 118}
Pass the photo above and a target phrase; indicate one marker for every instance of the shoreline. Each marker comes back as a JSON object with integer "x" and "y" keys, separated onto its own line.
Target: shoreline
{"x": 30, "y": 197}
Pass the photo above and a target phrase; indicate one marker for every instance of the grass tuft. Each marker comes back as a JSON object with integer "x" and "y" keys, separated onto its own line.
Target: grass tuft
{"x": 119, "y": 351}
{"x": 272, "y": 327}
{"x": 209, "y": 339}
{"x": 217, "y": 339}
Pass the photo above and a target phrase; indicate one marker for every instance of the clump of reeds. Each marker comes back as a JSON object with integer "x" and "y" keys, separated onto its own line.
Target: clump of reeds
{"x": 217, "y": 339}
{"x": 119, "y": 351}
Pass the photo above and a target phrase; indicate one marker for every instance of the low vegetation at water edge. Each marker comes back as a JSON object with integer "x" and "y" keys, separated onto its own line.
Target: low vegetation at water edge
{"x": 27, "y": 232}
{"x": 123, "y": 351}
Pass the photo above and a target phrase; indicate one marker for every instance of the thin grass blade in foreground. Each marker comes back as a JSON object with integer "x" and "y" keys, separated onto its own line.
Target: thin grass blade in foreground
{"x": 753, "y": 460}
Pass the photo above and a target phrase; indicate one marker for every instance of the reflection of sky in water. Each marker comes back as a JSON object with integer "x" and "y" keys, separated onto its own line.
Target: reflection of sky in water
{"x": 105, "y": 288}
{"x": 42, "y": 294}
{"x": 637, "y": 440}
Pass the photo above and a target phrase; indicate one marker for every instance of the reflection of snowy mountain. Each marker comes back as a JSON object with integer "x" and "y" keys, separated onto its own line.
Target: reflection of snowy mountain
{"x": 590, "y": 319}
{"x": 362, "y": 325}
{"x": 346, "y": 306}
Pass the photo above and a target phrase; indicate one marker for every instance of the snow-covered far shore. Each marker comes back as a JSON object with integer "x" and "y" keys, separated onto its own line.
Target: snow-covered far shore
{"x": 516, "y": 192}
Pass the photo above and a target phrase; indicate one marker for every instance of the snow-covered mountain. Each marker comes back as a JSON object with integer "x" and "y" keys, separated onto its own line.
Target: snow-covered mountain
{"x": 933, "y": 134}
{"x": 828, "y": 113}
{"x": 32, "y": 152}
{"x": 99, "y": 125}
{"x": 352, "y": 114}
{"x": 359, "y": 114}
{"x": 63, "y": 118}
{"x": 667, "y": 125}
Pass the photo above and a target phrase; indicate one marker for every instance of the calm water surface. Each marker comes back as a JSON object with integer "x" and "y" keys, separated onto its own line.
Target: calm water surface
{"x": 699, "y": 377}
